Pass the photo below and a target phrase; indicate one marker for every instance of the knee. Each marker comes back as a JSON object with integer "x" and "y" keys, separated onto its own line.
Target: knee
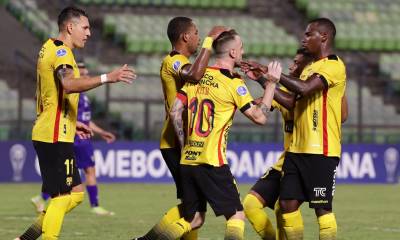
{"x": 250, "y": 203}
{"x": 77, "y": 197}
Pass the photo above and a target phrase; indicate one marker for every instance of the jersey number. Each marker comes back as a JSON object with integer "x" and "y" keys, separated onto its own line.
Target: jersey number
{"x": 205, "y": 113}
{"x": 69, "y": 165}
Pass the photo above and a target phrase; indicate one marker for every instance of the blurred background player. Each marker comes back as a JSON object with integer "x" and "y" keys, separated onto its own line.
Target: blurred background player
{"x": 310, "y": 163}
{"x": 265, "y": 191}
{"x": 205, "y": 174}
{"x": 175, "y": 71}
{"x": 58, "y": 85}
{"x": 83, "y": 149}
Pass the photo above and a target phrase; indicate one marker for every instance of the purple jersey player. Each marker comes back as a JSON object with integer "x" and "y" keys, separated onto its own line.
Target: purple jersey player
{"x": 84, "y": 154}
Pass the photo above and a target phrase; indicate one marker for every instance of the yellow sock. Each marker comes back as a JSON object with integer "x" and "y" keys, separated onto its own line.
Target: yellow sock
{"x": 293, "y": 225}
{"x": 327, "y": 227}
{"x": 175, "y": 230}
{"x": 54, "y": 217}
{"x": 234, "y": 229}
{"x": 192, "y": 235}
{"x": 258, "y": 218}
{"x": 76, "y": 199}
{"x": 169, "y": 217}
{"x": 280, "y": 232}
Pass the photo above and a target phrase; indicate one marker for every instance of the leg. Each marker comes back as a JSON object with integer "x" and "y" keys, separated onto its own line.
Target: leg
{"x": 264, "y": 193}
{"x": 292, "y": 194}
{"x": 172, "y": 158}
{"x": 327, "y": 224}
{"x": 235, "y": 226}
{"x": 192, "y": 202}
{"x": 323, "y": 185}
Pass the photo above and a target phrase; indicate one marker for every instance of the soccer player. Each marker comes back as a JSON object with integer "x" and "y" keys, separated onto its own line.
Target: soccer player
{"x": 310, "y": 163}
{"x": 211, "y": 104}
{"x": 175, "y": 71}
{"x": 58, "y": 85}
{"x": 83, "y": 149}
{"x": 265, "y": 192}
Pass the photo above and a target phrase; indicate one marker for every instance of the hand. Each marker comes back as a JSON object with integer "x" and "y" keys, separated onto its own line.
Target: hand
{"x": 122, "y": 74}
{"x": 252, "y": 69}
{"x": 216, "y": 31}
{"x": 83, "y": 131}
{"x": 274, "y": 72}
{"x": 108, "y": 136}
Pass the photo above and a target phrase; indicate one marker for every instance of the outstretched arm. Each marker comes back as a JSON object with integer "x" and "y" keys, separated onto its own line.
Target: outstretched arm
{"x": 314, "y": 83}
{"x": 107, "y": 136}
{"x": 71, "y": 84}
{"x": 176, "y": 118}
{"x": 194, "y": 72}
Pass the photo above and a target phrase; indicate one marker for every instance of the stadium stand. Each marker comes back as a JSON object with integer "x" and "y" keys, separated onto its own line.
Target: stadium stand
{"x": 362, "y": 25}
{"x": 230, "y": 4}
{"x": 36, "y": 20}
{"x": 148, "y": 33}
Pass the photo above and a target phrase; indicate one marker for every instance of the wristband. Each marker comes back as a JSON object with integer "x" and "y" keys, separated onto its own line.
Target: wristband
{"x": 207, "y": 43}
{"x": 261, "y": 81}
{"x": 103, "y": 78}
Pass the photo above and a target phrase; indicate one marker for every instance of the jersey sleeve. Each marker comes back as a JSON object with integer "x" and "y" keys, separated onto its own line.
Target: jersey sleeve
{"x": 331, "y": 71}
{"x": 182, "y": 94}
{"x": 241, "y": 95}
{"x": 178, "y": 61}
{"x": 64, "y": 58}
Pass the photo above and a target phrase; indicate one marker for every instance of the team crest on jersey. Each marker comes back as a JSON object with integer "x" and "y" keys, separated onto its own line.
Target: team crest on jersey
{"x": 61, "y": 52}
{"x": 176, "y": 65}
{"x": 241, "y": 90}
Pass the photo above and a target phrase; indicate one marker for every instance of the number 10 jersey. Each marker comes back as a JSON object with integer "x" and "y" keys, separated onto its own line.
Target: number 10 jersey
{"x": 211, "y": 106}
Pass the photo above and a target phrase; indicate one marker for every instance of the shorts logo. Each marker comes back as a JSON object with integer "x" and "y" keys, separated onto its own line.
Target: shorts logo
{"x": 176, "y": 65}
{"x": 319, "y": 192}
{"x": 61, "y": 52}
{"x": 68, "y": 181}
{"x": 241, "y": 90}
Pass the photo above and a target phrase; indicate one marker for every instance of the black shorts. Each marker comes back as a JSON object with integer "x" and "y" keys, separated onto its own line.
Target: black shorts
{"x": 57, "y": 167}
{"x": 215, "y": 185}
{"x": 309, "y": 177}
{"x": 268, "y": 187}
{"x": 172, "y": 157}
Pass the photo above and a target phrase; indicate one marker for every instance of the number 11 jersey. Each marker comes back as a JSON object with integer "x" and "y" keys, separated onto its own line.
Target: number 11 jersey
{"x": 211, "y": 106}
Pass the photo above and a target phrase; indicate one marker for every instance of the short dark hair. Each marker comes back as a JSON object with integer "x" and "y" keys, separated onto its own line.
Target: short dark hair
{"x": 327, "y": 24}
{"x": 68, "y": 13}
{"x": 178, "y": 26}
{"x": 222, "y": 39}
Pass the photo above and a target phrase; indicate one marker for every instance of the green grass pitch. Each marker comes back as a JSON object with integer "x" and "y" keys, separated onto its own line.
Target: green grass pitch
{"x": 362, "y": 211}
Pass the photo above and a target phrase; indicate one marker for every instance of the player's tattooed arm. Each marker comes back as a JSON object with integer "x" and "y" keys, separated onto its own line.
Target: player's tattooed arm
{"x": 65, "y": 73}
{"x": 264, "y": 109}
{"x": 176, "y": 118}
{"x": 314, "y": 83}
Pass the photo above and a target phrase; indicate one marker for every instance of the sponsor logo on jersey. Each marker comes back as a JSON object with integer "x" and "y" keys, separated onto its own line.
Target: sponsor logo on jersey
{"x": 241, "y": 90}
{"x": 61, "y": 52}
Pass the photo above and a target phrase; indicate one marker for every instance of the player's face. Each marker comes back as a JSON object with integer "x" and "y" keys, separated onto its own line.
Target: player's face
{"x": 297, "y": 66}
{"x": 80, "y": 32}
{"x": 238, "y": 50}
{"x": 194, "y": 39}
{"x": 312, "y": 39}
{"x": 83, "y": 72}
